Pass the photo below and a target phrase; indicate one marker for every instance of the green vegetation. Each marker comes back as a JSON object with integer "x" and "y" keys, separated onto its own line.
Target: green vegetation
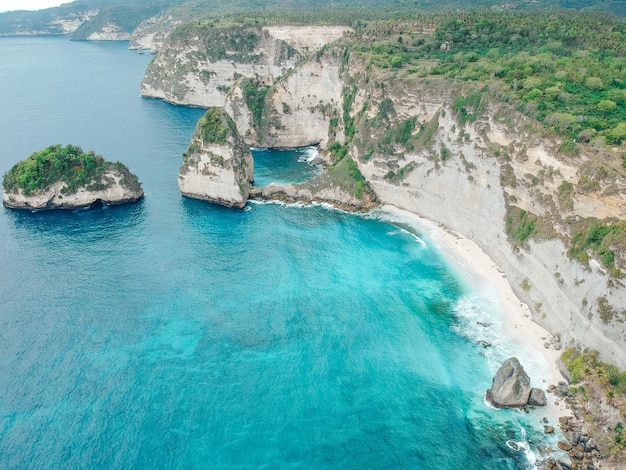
{"x": 587, "y": 365}
{"x": 565, "y": 70}
{"x": 216, "y": 126}
{"x": 349, "y": 94}
{"x": 469, "y": 108}
{"x": 599, "y": 239}
{"x": 346, "y": 175}
{"x": 67, "y": 164}
{"x": 599, "y": 378}
{"x": 222, "y": 40}
{"x": 254, "y": 94}
{"x": 520, "y": 224}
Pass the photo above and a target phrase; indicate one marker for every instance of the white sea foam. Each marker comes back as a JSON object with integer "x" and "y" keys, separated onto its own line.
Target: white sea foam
{"x": 308, "y": 154}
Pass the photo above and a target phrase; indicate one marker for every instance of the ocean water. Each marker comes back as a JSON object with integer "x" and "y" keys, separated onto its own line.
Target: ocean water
{"x": 174, "y": 333}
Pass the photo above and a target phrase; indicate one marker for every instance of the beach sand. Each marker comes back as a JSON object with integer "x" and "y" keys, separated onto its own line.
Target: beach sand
{"x": 519, "y": 328}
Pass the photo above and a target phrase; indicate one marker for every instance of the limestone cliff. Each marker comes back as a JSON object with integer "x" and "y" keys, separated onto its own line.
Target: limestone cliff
{"x": 53, "y": 198}
{"x": 485, "y": 177}
{"x": 199, "y": 62}
{"x": 459, "y": 157}
{"x": 297, "y": 110}
{"x": 482, "y": 178}
{"x": 218, "y": 166}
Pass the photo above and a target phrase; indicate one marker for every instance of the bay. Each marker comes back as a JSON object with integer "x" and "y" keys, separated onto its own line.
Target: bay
{"x": 174, "y": 333}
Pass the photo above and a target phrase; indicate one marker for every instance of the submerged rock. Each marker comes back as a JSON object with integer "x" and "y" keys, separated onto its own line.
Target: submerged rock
{"x": 511, "y": 385}
{"x": 218, "y": 165}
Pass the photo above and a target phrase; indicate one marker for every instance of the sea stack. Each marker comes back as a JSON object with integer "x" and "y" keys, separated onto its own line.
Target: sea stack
{"x": 60, "y": 177}
{"x": 217, "y": 166}
{"x": 511, "y": 387}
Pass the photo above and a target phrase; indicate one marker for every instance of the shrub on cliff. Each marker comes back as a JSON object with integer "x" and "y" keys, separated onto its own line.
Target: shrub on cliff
{"x": 215, "y": 126}
{"x": 69, "y": 165}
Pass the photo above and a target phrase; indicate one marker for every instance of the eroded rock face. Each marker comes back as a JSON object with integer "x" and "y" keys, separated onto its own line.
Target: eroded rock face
{"x": 191, "y": 70}
{"x": 537, "y": 397}
{"x": 113, "y": 184}
{"x": 511, "y": 385}
{"x": 53, "y": 198}
{"x": 218, "y": 166}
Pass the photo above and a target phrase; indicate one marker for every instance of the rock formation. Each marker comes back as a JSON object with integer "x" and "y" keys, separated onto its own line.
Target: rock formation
{"x": 218, "y": 166}
{"x": 67, "y": 178}
{"x": 419, "y": 151}
{"x": 197, "y": 64}
{"x": 511, "y": 385}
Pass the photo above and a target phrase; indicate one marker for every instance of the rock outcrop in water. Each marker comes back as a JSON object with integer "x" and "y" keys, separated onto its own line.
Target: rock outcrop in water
{"x": 511, "y": 387}
{"x": 67, "y": 178}
{"x": 218, "y": 166}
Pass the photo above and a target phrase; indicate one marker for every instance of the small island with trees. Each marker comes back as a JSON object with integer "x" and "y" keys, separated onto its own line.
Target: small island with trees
{"x": 60, "y": 177}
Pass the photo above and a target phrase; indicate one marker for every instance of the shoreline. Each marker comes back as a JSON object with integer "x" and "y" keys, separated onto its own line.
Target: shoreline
{"x": 468, "y": 258}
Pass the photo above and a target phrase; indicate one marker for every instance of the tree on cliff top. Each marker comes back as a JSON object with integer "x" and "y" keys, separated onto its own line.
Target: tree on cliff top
{"x": 69, "y": 165}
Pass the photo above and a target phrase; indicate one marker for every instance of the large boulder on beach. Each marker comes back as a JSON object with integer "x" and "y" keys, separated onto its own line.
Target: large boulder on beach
{"x": 537, "y": 397}
{"x": 511, "y": 385}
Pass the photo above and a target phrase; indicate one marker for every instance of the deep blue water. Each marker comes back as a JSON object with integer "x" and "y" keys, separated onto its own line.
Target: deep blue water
{"x": 174, "y": 333}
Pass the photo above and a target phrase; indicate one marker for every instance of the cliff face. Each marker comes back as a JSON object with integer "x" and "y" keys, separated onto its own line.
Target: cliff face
{"x": 199, "y": 63}
{"x": 476, "y": 177}
{"x": 297, "y": 110}
{"x": 460, "y": 159}
{"x": 218, "y": 166}
{"x": 115, "y": 192}
{"x": 107, "y": 21}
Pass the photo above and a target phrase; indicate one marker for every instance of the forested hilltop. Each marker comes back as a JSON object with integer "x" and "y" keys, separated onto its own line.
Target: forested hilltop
{"x": 117, "y": 19}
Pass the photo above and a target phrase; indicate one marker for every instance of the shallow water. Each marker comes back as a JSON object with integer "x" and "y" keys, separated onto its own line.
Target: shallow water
{"x": 174, "y": 333}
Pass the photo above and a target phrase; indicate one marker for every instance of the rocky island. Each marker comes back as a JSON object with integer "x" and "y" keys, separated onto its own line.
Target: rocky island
{"x": 60, "y": 177}
{"x": 217, "y": 166}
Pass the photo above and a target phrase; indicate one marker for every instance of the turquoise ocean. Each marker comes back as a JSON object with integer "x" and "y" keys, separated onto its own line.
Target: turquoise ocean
{"x": 177, "y": 334}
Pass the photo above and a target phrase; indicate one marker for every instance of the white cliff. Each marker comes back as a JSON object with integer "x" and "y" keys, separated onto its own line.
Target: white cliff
{"x": 218, "y": 166}
{"x": 298, "y": 107}
{"x": 54, "y": 197}
{"x": 198, "y": 64}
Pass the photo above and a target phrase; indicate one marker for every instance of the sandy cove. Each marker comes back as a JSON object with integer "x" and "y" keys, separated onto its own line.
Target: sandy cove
{"x": 524, "y": 334}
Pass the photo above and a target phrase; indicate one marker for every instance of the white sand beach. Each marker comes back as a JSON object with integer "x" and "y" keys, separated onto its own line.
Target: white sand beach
{"x": 517, "y": 323}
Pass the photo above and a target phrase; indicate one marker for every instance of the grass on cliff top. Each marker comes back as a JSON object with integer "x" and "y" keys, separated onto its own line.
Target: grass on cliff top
{"x": 68, "y": 164}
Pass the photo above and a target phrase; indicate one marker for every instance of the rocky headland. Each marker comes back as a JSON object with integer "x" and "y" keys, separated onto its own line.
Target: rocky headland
{"x": 67, "y": 178}
{"x": 450, "y": 151}
{"x": 486, "y": 178}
